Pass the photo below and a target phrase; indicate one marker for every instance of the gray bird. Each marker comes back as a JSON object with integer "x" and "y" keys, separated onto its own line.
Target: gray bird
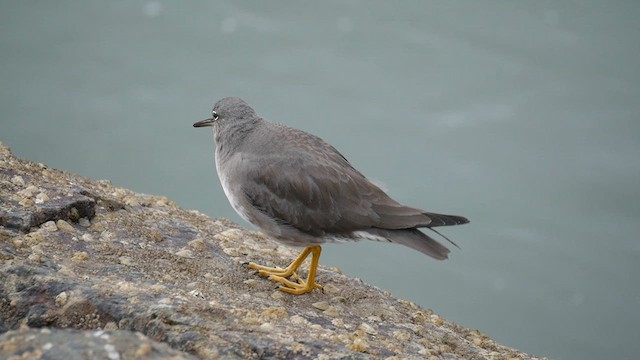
{"x": 303, "y": 192}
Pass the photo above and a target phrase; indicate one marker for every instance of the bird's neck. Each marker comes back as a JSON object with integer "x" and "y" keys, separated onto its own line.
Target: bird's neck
{"x": 230, "y": 137}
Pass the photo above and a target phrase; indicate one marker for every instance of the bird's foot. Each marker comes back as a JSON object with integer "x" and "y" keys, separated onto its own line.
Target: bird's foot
{"x": 296, "y": 288}
{"x": 281, "y": 275}
{"x": 268, "y": 271}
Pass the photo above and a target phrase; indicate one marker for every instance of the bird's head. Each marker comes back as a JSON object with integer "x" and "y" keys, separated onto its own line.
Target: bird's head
{"x": 228, "y": 111}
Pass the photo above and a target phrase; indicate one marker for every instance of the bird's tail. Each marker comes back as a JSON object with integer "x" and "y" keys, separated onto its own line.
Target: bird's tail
{"x": 414, "y": 239}
{"x": 445, "y": 220}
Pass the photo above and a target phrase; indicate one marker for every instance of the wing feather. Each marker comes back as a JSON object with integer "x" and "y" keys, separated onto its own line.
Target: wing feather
{"x": 310, "y": 186}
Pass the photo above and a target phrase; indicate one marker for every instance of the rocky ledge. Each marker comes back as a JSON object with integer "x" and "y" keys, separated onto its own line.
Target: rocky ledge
{"x": 89, "y": 270}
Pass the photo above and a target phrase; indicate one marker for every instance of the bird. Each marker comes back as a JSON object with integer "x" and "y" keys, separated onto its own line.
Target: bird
{"x": 301, "y": 191}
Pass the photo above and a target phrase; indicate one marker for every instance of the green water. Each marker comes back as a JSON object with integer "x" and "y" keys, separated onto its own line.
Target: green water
{"x": 522, "y": 116}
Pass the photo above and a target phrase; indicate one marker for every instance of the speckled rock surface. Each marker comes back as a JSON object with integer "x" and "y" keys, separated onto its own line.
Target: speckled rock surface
{"x": 71, "y": 344}
{"x": 82, "y": 254}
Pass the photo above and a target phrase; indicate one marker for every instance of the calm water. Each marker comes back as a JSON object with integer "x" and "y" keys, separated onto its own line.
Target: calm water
{"x": 521, "y": 116}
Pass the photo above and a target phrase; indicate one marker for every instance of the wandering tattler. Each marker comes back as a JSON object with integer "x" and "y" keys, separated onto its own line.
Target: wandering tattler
{"x": 303, "y": 192}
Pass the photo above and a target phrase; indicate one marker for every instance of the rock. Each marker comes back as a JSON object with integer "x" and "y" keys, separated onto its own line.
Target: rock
{"x": 321, "y": 305}
{"x": 65, "y": 226}
{"x": 87, "y": 237}
{"x": 142, "y": 278}
{"x": 42, "y": 197}
{"x": 50, "y": 203}
{"x": 185, "y": 253}
{"x": 49, "y": 226}
{"x": 126, "y": 260}
{"x": 331, "y": 311}
{"x": 70, "y": 344}
{"x": 17, "y": 180}
{"x": 61, "y": 299}
{"x": 368, "y": 329}
{"x": 359, "y": 345}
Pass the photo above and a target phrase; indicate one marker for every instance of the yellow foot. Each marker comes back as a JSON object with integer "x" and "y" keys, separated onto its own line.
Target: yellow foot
{"x": 296, "y": 288}
{"x": 267, "y": 271}
{"x": 280, "y": 275}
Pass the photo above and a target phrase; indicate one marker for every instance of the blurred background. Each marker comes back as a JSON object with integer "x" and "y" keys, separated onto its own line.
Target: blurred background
{"x": 522, "y": 116}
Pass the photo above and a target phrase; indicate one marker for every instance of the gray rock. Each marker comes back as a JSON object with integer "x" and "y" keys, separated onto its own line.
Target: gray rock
{"x": 71, "y": 344}
{"x": 139, "y": 264}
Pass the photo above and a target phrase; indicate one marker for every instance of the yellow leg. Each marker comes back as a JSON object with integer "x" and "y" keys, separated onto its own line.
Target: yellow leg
{"x": 281, "y": 275}
{"x": 286, "y": 272}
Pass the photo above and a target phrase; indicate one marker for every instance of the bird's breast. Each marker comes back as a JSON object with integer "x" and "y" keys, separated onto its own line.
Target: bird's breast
{"x": 230, "y": 191}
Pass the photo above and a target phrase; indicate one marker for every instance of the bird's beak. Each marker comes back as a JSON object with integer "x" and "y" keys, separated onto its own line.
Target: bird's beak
{"x": 205, "y": 122}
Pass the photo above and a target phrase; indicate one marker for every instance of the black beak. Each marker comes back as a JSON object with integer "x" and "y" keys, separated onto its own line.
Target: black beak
{"x": 205, "y": 122}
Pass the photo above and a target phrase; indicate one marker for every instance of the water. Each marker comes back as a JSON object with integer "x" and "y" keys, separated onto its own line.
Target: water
{"x": 522, "y": 116}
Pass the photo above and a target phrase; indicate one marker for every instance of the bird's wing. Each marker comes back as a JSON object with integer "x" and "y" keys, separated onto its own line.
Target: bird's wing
{"x": 313, "y": 188}
{"x": 314, "y": 195}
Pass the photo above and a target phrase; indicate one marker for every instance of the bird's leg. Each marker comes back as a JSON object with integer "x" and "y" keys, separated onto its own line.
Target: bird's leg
{"x": 281, "y": 275}
{"x": 302, "y": 287}
{"x": 286, "y": 272}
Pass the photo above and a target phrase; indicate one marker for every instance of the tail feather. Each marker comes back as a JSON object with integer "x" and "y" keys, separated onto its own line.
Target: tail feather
{"x": 398, "y": 216}
{"x": 445, "y": 220}
{"x": 414, "y": 239}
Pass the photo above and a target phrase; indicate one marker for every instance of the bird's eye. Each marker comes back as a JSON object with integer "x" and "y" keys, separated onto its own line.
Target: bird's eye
{"x": 214, "y": 115}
